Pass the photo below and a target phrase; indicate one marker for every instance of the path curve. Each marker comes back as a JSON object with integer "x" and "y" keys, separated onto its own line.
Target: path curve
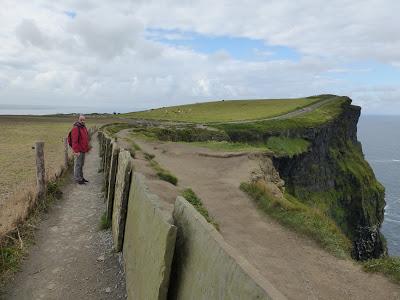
{"x": 72, "y": 258}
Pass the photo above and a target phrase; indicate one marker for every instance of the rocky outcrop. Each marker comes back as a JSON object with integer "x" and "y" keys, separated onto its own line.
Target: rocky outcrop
{"x": 334, "y": 176}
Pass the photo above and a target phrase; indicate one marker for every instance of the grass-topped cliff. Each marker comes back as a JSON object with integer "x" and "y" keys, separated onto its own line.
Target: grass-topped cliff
{"x": 313, "y": 145}
{"x": 226, "y": 110}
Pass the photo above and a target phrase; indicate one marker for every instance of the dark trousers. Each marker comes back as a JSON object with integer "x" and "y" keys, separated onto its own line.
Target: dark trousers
{"x": 79, "y": 161}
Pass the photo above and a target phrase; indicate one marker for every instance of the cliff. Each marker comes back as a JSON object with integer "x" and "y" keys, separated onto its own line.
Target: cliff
{"x": 334, "y": 177}
{"x": 315, "y": 151}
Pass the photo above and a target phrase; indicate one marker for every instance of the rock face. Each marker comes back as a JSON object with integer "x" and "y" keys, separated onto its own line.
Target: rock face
{"x": 334, "y": 176}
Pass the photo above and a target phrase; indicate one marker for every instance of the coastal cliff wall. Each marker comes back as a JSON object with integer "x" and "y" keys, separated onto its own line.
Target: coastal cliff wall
{"x": 318, "y": 156}
{"x": 334, "y": 177}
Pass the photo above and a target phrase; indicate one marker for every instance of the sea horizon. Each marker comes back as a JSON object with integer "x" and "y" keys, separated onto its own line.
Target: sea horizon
{"x": 43, "y": 110}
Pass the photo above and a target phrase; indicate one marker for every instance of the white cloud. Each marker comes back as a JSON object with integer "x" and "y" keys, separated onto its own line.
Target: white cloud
{"x": 106, "y": 56}
{"x": 29, "y": 34}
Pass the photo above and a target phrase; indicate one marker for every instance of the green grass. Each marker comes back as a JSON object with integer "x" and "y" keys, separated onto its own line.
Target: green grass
{"x": 284, "y": 146}
{"x": 135, "y": 146}
{"x": 265, "y": 135}
{"x": 104, "y": 222}
{"x": 161, "y": 172}
{"x": 232, "y": 147}
{"x": 301, "y": 218}
{"x": 113, "y": 128}
{"x": 260, "y": 131}
{"x": 17, "y": 158}
{"x": 355, "y": 181}
{"x": 166, "y": 176}
{"x": 193, "y": 199}
{"x": 389, "y": 266}
{"x": 278, "y": 145}
{"x": 225, "y": 111}
{"x": 148, "y": 156}
{"x": 10, "y": 258}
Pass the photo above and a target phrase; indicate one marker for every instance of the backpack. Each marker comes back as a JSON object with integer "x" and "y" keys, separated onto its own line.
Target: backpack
{"x": 69, "y": 138}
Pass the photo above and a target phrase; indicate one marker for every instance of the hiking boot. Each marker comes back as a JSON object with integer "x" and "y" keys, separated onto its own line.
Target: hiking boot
{"x": 85, "y": 180}
{"x": 81, "y": 182}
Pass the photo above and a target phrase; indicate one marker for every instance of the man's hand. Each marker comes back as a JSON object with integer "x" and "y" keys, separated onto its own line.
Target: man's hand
{"x": 77, "y": 153}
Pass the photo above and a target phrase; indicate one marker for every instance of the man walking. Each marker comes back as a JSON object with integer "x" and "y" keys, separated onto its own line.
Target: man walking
{"x": 80, "y": 145}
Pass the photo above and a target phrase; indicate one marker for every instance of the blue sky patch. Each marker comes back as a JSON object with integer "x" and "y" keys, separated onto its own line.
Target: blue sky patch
{"x": 70, "y": 14}
{"x": 238, "y": 47}
{"x": 368, "y": 73}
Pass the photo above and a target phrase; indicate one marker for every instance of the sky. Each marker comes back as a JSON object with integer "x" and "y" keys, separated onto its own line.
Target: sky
{"x": 129, "y": 55}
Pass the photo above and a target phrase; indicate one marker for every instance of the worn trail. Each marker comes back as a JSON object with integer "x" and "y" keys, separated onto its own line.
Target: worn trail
{"x": 72, "y": 258}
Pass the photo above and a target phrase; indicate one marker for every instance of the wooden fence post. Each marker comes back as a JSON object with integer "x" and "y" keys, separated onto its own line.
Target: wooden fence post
{"x": 40, "y": 170}
{"x": 66, "y": 152}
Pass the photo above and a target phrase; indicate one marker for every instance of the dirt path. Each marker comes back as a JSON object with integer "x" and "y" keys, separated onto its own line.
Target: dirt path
{"x": 295, "y": 265}
{"x": 72, "y": 258}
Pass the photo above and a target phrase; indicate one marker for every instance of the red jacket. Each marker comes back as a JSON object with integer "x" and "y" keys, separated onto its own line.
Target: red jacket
{"x": 80, "y": 138}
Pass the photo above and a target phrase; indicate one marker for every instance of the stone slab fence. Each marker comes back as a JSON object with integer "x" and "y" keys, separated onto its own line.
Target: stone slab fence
{"x": 170, "y": 254}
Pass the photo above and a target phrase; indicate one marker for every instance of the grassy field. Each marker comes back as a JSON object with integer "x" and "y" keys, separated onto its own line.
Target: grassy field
{"x": 243, "y": 132}
{"x": 17, "y": 158}
{"x": 225, "y": 111}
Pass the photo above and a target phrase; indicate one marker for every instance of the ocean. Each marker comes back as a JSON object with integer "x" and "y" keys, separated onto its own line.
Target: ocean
{"x": 11, "y": 109}
{"x": 380, "y": 138}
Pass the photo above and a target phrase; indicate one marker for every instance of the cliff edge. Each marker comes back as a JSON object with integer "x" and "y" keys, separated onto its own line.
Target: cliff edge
{"x": 334, "y": 177}
{"x": 312, "y": 143}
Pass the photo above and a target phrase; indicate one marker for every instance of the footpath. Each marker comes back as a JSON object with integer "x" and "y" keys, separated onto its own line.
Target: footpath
{"x": 72, "y": 257}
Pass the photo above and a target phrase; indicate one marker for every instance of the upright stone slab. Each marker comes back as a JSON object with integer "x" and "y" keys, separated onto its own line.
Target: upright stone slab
{"x": 206, "y": 267}
{"x": 122, "y": 184}
{"x": 107, "y": 160}
{"x": 148, "y": 244}
{"x": 102, "y": 144}
{"x": 102, "y": 141}
{"x": 111, "y": 180}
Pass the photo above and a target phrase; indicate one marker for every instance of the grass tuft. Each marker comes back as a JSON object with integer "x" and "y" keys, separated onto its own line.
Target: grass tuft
{"x": 303, "y": 219}
{"x": 10, "y": 258}
{"x": 113, "y": 128}
{"x": 193, "y": 199}
{"x": 389, "y": 266}
{"x": 135, "y": 146}
{"x": 148, "y": 156}
{"x": 284, "y": 146}
{"x": 104, "y": 222}
{"x": 161, "y": 173}
{"x": 166, "y": 176}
